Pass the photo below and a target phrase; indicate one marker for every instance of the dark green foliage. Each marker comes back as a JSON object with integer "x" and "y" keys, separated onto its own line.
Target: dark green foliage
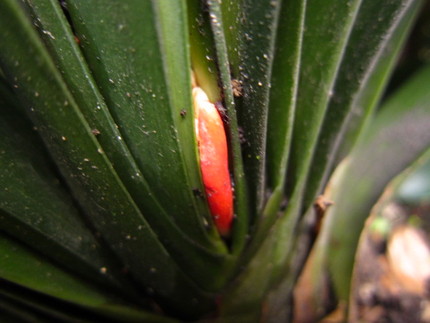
{"x": 99, "y": 216}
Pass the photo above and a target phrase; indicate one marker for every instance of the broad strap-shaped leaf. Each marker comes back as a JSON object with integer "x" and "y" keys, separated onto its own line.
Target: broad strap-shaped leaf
{"x": 256, "y": 26}
{"x": 326, "y": 37}
{"x": 283, "y": 104}
{"x": 138, "y": 55}
{"x": 362, "y": 77}
{"x": 367, "y": 93}
{"x": 326, "y": 32}
{"x": 398, "y": 136}
{"x": 202, "y": 50}
{"x": 36, "y": 208}
{"x": 320, "y": 24}
{"x": 242, "y": 301}
{"x": 52, "y": 292}
{"x": 86, "y": 168}
{"x": 187, "y": 249}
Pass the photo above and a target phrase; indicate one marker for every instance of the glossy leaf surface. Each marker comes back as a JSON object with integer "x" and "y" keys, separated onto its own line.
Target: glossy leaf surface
{"x": 395, "y": 137}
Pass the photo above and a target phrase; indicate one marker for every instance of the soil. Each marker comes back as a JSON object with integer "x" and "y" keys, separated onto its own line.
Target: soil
{"x": 392, "y": 272}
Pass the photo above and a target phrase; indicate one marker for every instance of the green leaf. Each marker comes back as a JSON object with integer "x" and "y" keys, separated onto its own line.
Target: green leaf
{"x": 11, "y": 311}
{"x": 202, "y": 50}
{"x": 53, "y": 292}
{"x": 142, "y": 192}
{"x": 256, "y": 24}
{"x": 22, "y": 266}
{"x": 100, "y": 126}
{"x": 242, "y": 300}
{"x": 155, "y": 119}
{"x": 366, "y": 65}
{"x": 398, "y": 136}
{"x": 76, "y": 74}
{"x": 309, "y": 91}
{"x": 301, "y": 90}
{"x": 359, "y": 80}
{"x": 325, "y": 38}
{"x": 283, "y": 100}
{"x": 283, "y": 93}
{"x": 36, "y": 208}
{"x": 89, "y": 173}
{"x": 138, "y": 55}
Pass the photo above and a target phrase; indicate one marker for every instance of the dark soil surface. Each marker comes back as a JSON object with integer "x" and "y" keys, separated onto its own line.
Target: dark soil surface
{"x": 392, "y": 273}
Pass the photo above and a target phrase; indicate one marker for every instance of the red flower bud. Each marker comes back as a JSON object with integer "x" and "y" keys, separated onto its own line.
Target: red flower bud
{"x": 213, "y": 154}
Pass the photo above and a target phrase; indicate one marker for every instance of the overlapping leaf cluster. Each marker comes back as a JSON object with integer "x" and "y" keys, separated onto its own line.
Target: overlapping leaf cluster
{"x": 102, "y": 211}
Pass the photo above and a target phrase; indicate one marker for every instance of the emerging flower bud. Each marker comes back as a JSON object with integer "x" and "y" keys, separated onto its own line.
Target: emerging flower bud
{"x": 213, "y": 154}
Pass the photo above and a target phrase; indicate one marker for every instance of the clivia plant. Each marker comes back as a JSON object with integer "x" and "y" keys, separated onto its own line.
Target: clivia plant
{"x": 160, "y": 160}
